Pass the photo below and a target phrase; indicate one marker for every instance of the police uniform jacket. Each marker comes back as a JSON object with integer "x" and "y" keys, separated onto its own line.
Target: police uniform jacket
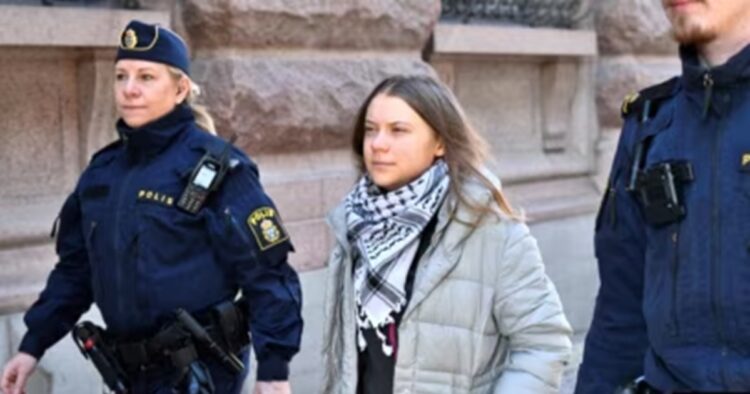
{"x": 124, "y": 245}
{"x": 674, "y": 301}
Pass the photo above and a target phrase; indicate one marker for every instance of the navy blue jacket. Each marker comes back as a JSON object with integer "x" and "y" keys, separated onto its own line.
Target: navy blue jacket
{"x": 124, "y": 245}
{"x": 674, "y": 301}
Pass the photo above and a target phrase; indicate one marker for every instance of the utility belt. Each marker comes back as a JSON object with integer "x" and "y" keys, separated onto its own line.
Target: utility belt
{"x": 219, "y": 334}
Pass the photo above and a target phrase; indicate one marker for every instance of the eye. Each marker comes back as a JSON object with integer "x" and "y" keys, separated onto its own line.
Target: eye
{"x": 147, "y": 77}
{"x": 369, "y": 130}
{"x": 399, "y": 129}
{"x": 120, "y": 77}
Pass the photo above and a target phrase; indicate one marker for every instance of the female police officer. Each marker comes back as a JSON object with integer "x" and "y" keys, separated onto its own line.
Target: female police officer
{"x": 140, "y": 237}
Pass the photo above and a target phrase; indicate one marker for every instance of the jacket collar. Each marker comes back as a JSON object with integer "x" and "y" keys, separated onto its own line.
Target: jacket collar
{"x": 150, "y": 139}
{"x": 451, "y": 231}
{"x": 694, "y": 73}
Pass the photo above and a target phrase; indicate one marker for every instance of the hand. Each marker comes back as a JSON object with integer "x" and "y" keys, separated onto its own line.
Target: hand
{"x": 273, "y": 387}
{"x": 17, "y": 372}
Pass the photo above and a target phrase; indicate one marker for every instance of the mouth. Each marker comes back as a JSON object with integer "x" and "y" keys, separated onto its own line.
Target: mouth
{"x": 131, "y": 108}
{"x": 680, "y": 4}
{"x": 381, "y": 164}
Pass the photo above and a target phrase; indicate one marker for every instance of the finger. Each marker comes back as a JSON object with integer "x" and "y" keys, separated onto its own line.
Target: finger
{"x": 7, "y": 381}
{"x": 21, "y": 379}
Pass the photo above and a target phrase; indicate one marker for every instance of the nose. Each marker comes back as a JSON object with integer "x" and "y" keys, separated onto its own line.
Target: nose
{"x": 130, "y": 87}
{"x": 380, "y": 141}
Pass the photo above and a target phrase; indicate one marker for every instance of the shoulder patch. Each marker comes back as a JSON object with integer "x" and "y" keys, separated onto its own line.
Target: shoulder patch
{"x": 646, "y": 102}
{"x": 266, "y": 227}
{"x": 628, "y": 101}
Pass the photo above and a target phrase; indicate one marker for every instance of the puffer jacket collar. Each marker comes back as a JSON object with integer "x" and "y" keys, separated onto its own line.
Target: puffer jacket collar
{"x": 446, "y": 239}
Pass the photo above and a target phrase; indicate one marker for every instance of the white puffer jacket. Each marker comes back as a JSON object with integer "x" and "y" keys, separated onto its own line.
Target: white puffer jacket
{"x": 483, "y": 317}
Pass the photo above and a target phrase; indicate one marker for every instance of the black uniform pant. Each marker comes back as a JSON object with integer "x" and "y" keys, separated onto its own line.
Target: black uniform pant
{"x": 160, "y": 381}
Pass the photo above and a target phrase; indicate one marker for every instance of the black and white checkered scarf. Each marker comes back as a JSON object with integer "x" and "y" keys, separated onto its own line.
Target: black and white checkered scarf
{"x": 385, "y": 228}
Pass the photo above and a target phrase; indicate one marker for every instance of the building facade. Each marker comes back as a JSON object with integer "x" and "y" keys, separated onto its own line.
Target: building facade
{"x": 287, "y": 77}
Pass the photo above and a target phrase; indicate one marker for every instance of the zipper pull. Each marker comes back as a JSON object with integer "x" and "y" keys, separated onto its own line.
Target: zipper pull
{"x": 708, "y": 83}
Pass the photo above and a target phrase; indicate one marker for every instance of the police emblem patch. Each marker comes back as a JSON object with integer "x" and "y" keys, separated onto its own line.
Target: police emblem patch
{"x": 745, "y": 162}
{"x": 266, "y": 226}
{"x": 130, "y": 39}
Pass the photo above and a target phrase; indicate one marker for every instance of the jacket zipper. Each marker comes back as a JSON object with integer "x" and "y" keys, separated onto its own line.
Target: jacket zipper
{"x": 708, "y": 83}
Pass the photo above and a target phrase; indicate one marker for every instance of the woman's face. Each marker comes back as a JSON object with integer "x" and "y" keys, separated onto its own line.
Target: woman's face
{"x": 398, "y": 144}
{"x": 145, "y": 91}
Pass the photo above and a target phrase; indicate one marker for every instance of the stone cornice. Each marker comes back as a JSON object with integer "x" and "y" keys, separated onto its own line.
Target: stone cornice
{"x": 460, "y": 39}
{"x": 68, "y": 26}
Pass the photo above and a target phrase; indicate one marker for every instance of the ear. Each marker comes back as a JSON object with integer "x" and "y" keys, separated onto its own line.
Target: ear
{"x": 440, "y": 148}
{"x": 183, "y": 88}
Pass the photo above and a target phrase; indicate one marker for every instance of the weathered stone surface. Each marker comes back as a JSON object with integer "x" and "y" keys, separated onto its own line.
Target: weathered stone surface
{"x": 361, "y": 24}
{"x": 618, "y": 76}
{"x": 38, "y": 139}
{"x": 633, "y": 26}
{"x": 283, "y": 104}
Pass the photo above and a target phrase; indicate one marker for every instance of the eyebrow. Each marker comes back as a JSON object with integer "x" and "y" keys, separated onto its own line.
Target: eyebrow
{"x": 397, "y": 122}
{"x": 141, "y": 69}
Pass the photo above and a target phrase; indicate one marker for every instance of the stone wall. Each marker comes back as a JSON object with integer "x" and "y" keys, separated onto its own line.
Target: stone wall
{"x": 287, "y": 76}
{"x": 636, "y": 51}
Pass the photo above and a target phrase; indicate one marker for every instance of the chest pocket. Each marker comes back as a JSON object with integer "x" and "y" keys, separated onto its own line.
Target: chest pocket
{"x": 96, "y": 210}
{"x": 167, "y": 236}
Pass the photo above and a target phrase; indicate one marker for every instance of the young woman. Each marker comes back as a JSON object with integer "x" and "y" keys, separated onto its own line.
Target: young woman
{"x": 129, "y": 242}
{"x": 435, "y": 285}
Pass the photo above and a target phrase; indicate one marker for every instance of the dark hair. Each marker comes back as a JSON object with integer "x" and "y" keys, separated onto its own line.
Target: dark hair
{"x": 465, "y": 149}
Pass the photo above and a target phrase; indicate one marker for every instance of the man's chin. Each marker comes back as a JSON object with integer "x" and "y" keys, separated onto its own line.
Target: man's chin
{"x": 692, "y": 35}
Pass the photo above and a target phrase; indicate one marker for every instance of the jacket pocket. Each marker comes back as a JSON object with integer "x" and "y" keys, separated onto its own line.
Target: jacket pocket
{"x": 168, "y": 237}
{"x": 97, "y": 273}
{"x": 673, "y": 326}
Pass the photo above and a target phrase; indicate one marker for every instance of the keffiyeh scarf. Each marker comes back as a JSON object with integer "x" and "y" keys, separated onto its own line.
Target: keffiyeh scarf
{"x": 385, "y": 228}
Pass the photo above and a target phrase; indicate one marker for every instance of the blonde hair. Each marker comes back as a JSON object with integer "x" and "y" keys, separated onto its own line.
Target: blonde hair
{"x": 203, "y": 119}
{"x": 465, "y": 149}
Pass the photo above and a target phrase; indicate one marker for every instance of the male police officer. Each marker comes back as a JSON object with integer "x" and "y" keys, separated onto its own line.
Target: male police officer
{"x": 673, "y": 232}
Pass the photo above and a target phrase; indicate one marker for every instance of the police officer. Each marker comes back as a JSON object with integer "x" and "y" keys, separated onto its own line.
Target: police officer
{"x": 673, "y": 232}
{"x": 169, "y": 216}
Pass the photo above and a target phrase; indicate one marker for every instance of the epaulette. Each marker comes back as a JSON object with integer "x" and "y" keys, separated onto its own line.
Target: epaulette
{"x": 217, "y": 146}
{"x": 645, "y": 103}
{"x": 107, "y": 148}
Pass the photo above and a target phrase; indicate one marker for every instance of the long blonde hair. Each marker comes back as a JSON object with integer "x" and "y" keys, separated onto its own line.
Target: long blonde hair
{"x": 203, "y": 119}
{"x": 465, "y": 150}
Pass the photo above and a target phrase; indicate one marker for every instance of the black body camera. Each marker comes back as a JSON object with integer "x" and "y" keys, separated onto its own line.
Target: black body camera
{"x": 659, "y": 188}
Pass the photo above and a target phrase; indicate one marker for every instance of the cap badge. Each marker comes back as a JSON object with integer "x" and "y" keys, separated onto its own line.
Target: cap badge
{"x": 130, "y": 40}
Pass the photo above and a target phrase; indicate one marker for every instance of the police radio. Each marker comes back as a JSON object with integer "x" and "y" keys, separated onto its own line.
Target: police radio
{"x": 205, "y": 179}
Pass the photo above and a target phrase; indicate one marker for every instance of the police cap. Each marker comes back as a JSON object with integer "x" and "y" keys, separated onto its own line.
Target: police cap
{"x": 143, "y": 41}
